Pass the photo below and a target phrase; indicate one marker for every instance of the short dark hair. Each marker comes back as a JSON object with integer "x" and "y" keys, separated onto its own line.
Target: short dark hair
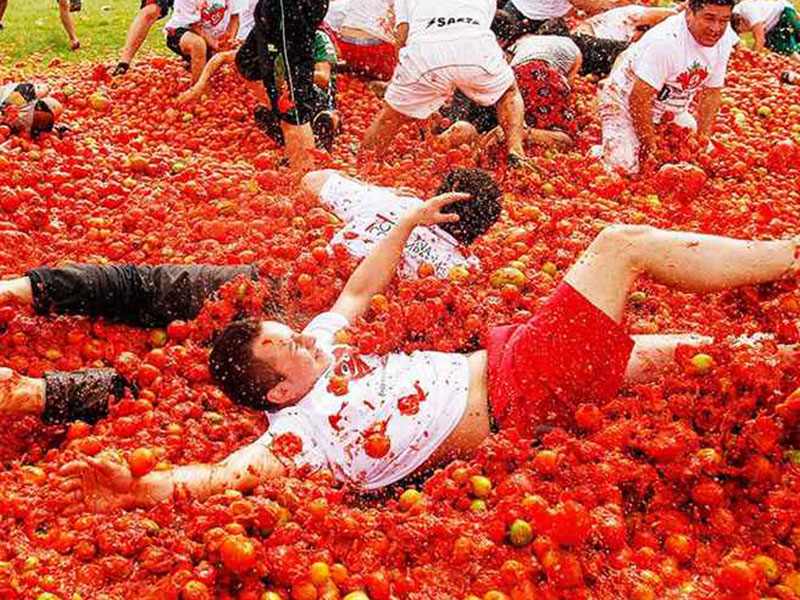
{"x": 235, "y": 369}
{"x": 696, "y": 5}
{"x": 478, "y": 213}
{"x": 505, "y": 27}
{"x": 738, "y": 23}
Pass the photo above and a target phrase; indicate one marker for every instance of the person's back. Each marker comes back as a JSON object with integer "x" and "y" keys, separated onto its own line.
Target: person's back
{"x": 374, "y": 17}
{"x": 559, "y": 52}
{"x": 445, "y": 20}
{"x": 766, "y": 12}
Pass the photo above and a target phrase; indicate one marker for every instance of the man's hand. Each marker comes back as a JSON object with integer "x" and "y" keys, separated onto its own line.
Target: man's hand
{"x": 430, "y": 213}
{"x": 100, "y": 483}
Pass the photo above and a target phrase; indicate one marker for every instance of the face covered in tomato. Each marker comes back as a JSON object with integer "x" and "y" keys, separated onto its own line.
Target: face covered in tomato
{"x": 294, "y": 356}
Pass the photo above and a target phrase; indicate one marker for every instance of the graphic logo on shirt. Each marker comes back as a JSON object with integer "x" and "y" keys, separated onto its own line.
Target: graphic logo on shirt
{"x": 212, "y": 11}
{"x": 694, "y": 77}
{"x": 447, "y": 21}
{"x": 347, "y": 363}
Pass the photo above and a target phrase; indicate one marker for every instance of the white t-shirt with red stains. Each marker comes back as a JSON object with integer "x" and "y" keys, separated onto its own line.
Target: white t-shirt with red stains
{"x": 212, "y": 15}
{"x": 370, "y": 212}
{"x": 414, "y": 400}
{"x": 669, "y": 59}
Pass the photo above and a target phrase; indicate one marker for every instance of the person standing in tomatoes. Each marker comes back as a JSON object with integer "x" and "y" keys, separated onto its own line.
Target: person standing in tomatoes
{"x": 286, "y": 30}
{"x": 658, "y": 78}
{"x": 149, "y": 12}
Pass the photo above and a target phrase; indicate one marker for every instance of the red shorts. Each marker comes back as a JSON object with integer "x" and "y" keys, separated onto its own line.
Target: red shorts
{"x": 568, "y": 353}
{"x": 546, "y": 95}
{"x": 376, "y": 60}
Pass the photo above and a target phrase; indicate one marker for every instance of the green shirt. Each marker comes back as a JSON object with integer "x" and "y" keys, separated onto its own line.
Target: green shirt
{"x": 324, "y": 51}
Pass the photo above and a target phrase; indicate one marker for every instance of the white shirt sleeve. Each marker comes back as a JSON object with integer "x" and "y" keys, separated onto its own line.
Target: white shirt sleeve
{"x": 652, "y": 64}
{"x": 184, "y": 14}
{"x": 401, "y": 11}
{"x": 289, "y": 423}
{"x": 716, "y": 79}
{"x": 238, "y": 7}
{"x": 324, "y": 327}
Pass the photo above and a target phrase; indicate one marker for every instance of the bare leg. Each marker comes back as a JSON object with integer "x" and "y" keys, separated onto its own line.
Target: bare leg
{"x": 211, "y": 67}
{"x": 686, "y": 261}
{"x": 383, "y": 129}
{"x": 138, "y": 30}
{"x": 511, "y": 115}
{"x": 20, "y": 395}
{"x": 258, "y": 89}
{"x": 654, "y": 354}
{"x": 299, "y": 141}
{"x": 460, "y": 132}
{"x": 194, "y": 46}
{"x": 68, "y": 23}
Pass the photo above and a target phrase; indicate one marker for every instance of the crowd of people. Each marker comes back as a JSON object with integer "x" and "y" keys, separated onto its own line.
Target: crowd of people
{"x": 469, "y": 72}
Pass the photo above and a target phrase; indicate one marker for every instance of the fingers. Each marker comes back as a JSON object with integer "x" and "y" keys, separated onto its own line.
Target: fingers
{"x": 104, "y": 466}
{"x": 446, "y": 218}
{"x": 450, "y": 198}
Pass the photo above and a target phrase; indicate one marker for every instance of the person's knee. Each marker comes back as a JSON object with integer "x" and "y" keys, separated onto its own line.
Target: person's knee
{"x": 624, "y": 239}
{"x": 150, "y": 14}
{"x": 194, "y": 46}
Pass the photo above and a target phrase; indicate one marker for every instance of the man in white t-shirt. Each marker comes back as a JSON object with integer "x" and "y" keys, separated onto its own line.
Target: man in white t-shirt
{"x": 681, "y": 60}
{"x": 773, "y": 23}
{"x": 624, "y": 24}
{"x": 448, "y": 45}
{"x": 199, "y": 28}
{"x": 372, "y": 420}
{"x": 370, "y": 212}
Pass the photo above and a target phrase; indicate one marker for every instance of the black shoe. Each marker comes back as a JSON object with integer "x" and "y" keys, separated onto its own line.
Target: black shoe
{"x": 324, "y": 129}
{"x": 268, "y": 122}
{"x": 121, "y": 69}
{"x": 82, "y": 395}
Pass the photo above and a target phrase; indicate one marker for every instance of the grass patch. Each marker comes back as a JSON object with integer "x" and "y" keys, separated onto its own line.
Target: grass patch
{"x": 33, "y": 30}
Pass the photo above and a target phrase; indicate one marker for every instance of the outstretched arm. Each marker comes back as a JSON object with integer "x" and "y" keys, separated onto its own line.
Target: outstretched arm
{"x": 708, "y": 103}
{"x": 377, "y": 269}
{"x": 759, "y": 36}
{"x": 105, "y": 482}
{"x": 212, "y": 66}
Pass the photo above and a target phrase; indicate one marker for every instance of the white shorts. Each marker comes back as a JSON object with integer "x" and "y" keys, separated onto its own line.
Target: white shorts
{"x": 429, "y": 72}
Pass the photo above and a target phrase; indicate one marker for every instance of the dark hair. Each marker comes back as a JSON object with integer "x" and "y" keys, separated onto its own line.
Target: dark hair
{"x": 505, "y": 27}
{"x": 476, "y": 214}
{"x": 696, "y": 5}
{"x": 737, "y": 23}
{"x": 245, "y": 380}
{"x": 43, "y": 118}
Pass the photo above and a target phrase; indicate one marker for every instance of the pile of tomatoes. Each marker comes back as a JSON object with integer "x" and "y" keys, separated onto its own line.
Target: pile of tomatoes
{"x": 684, "y": 488}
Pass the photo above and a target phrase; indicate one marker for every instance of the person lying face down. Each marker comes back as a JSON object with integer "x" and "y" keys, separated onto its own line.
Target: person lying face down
{"x": 372, "y": 420}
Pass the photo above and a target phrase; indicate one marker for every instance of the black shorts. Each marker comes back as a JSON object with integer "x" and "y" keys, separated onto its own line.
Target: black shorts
{"x": 284, "y": 28}
{"x": 598, "y": 54}
{"x": 461, "y": 108}
{"x": 164, "y": 6}
{"x": 141, "y": 295}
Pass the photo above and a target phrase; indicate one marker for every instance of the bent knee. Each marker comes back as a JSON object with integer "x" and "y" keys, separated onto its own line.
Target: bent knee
{"x": 623, "y": 238}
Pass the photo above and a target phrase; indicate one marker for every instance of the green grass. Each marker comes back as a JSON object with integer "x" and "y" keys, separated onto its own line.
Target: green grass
{"x": 34, "y": 27}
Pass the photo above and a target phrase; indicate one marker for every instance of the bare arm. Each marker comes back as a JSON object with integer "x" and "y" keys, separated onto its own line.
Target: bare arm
{"x": 105, "y": 482}
{"x": 576, "y": 67}
{"x": 401, "y": 35}
{"x": 708, "y": 103}
{"x": 377, "y": 269}
{"x": 322, "y": 74}
{"x": 760, "y": 37}
{"x": 641, "y": 108}
{"x": 233, "y": 29}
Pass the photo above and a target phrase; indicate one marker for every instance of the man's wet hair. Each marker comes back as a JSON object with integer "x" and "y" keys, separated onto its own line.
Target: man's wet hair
{"x": 696, "y": 5}
{"x": 244, "y": 379}
{"x": 477, "y": 214}
{"x": 505, "y": 27}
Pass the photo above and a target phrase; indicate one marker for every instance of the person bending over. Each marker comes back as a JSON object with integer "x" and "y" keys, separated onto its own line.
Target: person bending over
{"x": 373, "y": 420}
{"x": 154, "y": 296}
{"x": 364, "y": 33}
{"x": 150, "y": 11}
{"x": 659, "y": 77}
{"x": 28, "y": 108}
{"x": 200, "y": 28}
{"x": 543, "y": 65}
{"x": 448, "y": 45}
{"x": 774, "y": 24}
